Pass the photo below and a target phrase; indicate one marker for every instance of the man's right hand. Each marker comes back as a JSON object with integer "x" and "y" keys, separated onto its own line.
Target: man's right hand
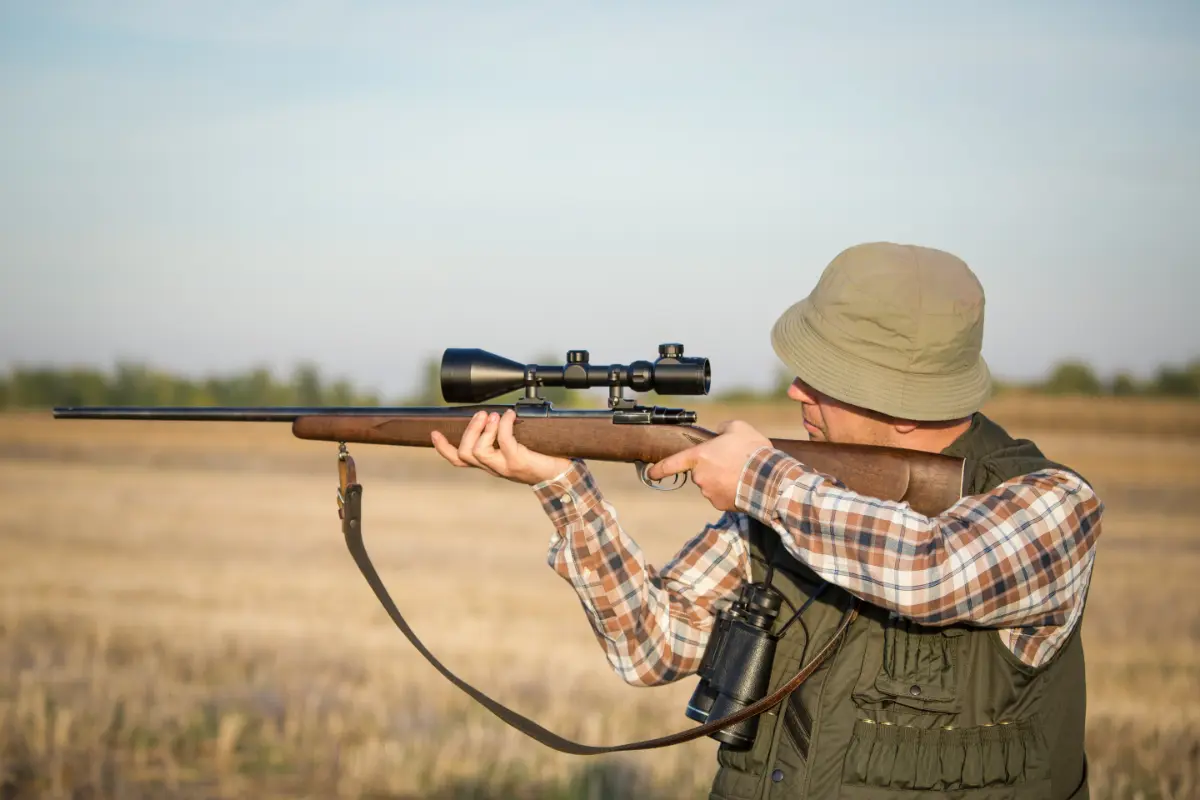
{"x": 488, "y": 444}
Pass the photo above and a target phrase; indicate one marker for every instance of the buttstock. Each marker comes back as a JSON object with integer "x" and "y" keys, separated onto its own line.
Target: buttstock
{"x": 929, "y": 482}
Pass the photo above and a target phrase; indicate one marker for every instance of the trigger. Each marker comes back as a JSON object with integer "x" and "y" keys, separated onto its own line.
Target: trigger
{"x": 643, "y": 470}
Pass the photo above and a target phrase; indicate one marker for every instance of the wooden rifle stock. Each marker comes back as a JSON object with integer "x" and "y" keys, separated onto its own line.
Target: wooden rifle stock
{"x": 929, "y": 482}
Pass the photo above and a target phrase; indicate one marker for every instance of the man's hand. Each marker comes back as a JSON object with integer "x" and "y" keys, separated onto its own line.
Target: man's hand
{"x": 488, "y": 444}
{"x": 716, "y": 465}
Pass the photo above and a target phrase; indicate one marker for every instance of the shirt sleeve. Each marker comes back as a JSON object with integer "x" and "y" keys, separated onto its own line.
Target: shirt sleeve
{"x": 1019, "y": 556}
{"x": 653, "y": 624}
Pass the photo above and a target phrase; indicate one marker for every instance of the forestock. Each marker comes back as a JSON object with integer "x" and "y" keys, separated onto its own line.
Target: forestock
{"x": 928, "y": 482}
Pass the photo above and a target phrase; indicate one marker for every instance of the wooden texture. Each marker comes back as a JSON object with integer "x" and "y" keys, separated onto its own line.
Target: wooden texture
{"x": 929, "y": 482}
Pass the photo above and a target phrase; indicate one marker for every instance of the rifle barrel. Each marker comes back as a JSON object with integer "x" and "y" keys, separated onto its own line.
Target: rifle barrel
{"x": 247, "y": 413}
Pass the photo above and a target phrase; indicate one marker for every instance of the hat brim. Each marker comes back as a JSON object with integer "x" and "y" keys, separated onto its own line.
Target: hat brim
{"x": 853, "y": 380}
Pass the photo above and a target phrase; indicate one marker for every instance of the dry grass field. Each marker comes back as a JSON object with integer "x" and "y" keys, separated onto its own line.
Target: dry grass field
{"x": 179, "y": 617}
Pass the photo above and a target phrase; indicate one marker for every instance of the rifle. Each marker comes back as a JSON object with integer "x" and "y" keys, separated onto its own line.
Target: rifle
{"x": 625, "y": 432}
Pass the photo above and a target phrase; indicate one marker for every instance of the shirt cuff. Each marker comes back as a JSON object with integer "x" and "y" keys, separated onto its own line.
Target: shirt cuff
{"x": 763, "y": 477}
{"x": 566, "y": 496}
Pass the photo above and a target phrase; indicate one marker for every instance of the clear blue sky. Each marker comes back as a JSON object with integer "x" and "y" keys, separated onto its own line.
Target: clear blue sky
{"x": 208, "y": 186}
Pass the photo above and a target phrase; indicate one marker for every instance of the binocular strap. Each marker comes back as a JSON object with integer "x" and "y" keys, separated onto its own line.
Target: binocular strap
{"x": 351, "y": 513}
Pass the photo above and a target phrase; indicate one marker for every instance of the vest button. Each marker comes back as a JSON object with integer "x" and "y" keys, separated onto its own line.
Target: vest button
{"x": 777, "y": 775}
{"x": 914, "y": 690}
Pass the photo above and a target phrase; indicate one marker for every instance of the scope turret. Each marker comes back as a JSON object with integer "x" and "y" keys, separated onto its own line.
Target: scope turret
{"x": 471, "y": 375}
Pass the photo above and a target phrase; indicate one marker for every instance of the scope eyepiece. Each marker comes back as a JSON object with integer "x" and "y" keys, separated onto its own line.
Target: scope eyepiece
{"x": 471, "y": 375}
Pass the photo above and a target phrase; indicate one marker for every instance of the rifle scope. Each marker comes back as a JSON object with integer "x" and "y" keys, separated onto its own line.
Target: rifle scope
{"x": 471, "y": 375}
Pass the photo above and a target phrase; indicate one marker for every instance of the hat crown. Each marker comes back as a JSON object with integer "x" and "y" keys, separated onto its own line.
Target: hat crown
{"x": 913, "y": 309}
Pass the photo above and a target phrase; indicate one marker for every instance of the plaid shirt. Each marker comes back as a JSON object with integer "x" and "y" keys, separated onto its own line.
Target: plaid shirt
{"x": 1018, "y": 558}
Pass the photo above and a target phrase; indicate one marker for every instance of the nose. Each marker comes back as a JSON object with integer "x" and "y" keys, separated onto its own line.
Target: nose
{"x": 802, "y": 392}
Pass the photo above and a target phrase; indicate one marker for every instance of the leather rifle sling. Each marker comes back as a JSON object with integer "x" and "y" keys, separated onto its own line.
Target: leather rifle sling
{"x": 350, "y": 506}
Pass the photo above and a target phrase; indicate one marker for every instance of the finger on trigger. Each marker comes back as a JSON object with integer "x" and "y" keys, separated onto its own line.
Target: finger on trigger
{"x": 670, "y": 465}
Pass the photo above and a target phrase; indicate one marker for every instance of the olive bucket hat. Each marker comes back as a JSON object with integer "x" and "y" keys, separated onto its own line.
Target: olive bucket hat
{"x": 893, "y": 328}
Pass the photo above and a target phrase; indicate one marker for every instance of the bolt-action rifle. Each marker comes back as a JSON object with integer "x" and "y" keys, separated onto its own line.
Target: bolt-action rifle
{"x": 624, "y": 432}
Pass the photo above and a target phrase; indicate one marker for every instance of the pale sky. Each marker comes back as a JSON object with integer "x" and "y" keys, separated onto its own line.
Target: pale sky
{"x": 210, "y": 186}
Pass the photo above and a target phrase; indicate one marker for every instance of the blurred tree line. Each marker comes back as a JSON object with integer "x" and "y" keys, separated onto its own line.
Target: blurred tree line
{"x": 1078, "y": 378}
{"x": 134, "y": 384}
{"x": 1067, "y": 378}
{"x": 139, "y": 385}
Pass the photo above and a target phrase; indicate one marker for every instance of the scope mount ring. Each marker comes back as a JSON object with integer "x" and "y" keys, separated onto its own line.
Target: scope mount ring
{"x": 643, "y": 467}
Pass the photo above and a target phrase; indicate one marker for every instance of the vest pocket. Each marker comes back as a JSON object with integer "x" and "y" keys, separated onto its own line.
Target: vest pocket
{"x": 920, "y": 665}
{"x": 1006, "y": 760}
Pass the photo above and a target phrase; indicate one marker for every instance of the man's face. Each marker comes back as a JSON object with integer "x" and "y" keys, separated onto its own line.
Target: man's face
{"x": 828, "y": 420}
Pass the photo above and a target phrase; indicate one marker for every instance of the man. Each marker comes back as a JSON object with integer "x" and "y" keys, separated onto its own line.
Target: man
{"x": 963, "y": 674}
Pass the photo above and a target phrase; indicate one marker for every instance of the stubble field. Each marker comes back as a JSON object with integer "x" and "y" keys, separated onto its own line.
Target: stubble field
{"x": 179, "y": 616}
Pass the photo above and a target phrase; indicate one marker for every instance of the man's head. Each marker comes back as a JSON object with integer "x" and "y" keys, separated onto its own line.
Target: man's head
{"x": 886, "y": 348}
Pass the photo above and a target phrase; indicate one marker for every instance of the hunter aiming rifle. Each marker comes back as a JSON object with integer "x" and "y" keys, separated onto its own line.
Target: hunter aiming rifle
{"x": 624, "y": 432}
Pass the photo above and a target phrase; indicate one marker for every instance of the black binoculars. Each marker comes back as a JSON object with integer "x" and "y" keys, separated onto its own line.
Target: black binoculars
{"x": 736, "y": 667}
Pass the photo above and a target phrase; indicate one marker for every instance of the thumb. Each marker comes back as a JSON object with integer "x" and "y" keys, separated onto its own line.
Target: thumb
{"x": 732, "y": 426}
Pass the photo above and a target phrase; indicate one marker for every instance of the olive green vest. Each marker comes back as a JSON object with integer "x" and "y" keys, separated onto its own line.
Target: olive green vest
{"x": 903, "y": 711}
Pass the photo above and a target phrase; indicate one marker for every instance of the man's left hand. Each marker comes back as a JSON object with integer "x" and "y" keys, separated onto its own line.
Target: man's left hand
{"x": 716, "y": 465}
